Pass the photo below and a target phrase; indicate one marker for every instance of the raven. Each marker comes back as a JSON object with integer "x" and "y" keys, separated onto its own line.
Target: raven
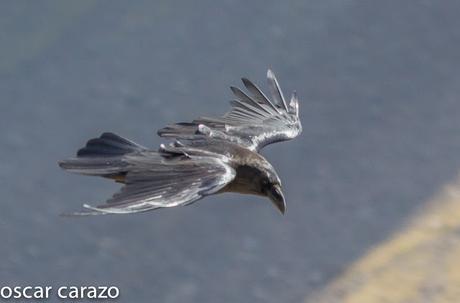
{"x": 207, "y": 156}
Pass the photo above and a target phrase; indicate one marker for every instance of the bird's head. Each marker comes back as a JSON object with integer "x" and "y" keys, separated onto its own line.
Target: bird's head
{"x": 259, "y": 178}
{"x": 271, "y": 187}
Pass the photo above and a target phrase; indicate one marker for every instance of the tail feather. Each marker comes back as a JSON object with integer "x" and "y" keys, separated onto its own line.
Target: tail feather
{"x": 108, "y": 145}
{"x": 105, "y": 167}
{"x": 102, "y": 156}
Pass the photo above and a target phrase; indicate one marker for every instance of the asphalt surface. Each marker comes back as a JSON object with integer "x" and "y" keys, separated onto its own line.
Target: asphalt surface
{"x": 379, "y": 84}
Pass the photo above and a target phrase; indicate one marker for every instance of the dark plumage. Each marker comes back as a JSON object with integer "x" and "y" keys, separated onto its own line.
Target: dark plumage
{"x": 208, "y": 156}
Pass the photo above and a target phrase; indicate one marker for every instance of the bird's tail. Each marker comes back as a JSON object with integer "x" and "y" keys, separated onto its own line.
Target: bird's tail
{"x": 102, "y": 156}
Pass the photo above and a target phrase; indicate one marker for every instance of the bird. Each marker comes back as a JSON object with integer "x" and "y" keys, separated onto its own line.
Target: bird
{"x": 208, "y": 156}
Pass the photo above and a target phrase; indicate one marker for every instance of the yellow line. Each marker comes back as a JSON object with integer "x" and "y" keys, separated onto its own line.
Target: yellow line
{"x": 419, "y": 264}
{"x": 451, "y": 284}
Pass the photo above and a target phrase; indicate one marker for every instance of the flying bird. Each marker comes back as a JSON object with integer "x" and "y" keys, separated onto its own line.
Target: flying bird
{"x": 206, "y": 156}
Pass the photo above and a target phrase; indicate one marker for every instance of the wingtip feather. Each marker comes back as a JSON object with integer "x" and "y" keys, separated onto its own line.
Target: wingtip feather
{"x": 275, "y": 88}
{"x": 270, "y": 74}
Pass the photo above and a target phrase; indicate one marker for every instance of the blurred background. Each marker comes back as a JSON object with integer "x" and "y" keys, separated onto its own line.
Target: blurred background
{"x": 371, "y": 184}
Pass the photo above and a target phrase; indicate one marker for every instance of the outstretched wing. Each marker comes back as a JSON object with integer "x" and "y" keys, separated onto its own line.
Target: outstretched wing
{"x": 156, "y": 182}
{"x": 253, "y": 121}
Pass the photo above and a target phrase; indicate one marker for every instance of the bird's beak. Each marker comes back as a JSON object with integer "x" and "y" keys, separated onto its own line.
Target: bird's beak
{"x": 276, "y": 195}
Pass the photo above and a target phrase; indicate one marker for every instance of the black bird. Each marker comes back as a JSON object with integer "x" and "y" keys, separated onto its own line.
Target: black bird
{"x": 208, "y": 156}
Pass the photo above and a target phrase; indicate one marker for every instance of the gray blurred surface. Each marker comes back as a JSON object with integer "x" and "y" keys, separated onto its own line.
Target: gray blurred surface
{"x": 379, "y": 83}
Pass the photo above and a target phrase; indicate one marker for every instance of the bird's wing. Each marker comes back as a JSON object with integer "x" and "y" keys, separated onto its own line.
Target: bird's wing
{"x": 253, "y": 121}
{"x": 156, "y": 182}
